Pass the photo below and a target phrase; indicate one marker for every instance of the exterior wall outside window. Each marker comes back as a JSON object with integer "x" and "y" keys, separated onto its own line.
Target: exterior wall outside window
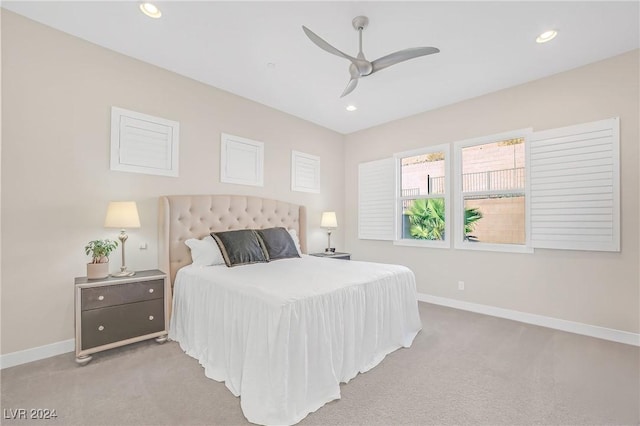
{"x": 502, "y": 220}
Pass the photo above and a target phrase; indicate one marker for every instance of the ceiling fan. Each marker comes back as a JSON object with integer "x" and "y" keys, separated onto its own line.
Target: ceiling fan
{"x": 360, "y": 67}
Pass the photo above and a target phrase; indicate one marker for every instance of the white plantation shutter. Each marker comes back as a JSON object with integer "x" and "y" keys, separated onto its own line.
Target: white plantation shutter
{"x": 376, "y": 200}
{"x": 305, "y": 172}
{"x": 575, "y": 187}
{"x": 142, "y": 143}
{"x": 241, "y": 160}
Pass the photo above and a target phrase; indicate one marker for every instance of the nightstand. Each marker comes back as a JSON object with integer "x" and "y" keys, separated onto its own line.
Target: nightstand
{"x": 113, "y": 312}
{"x": 333, "y": 255}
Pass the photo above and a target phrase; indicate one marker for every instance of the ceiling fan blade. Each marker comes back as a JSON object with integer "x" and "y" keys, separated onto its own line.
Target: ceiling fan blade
{"x": 401, "y": 56}
{"x": 324, "y": 45}
{"x": 350, "y": 86}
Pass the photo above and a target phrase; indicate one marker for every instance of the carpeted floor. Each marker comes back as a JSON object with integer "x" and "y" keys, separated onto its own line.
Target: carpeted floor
{"x": 463, "y": 368}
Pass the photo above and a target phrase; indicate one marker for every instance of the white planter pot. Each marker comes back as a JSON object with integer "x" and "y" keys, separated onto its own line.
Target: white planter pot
{"x": 97, "y": 271}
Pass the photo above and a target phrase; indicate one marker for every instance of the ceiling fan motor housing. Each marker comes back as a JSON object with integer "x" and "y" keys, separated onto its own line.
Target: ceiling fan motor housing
{"x": 360, "y": 22}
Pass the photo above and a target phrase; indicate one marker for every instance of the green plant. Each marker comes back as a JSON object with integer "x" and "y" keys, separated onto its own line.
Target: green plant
{"x": 471, "y": 218}
{"x": 99, "y": 250}
{"x": 426, "y": 219}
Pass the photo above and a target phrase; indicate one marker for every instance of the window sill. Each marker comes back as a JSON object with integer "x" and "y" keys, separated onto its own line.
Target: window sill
{"x": 422, "y": 243}
{"x": 505, "y": 248}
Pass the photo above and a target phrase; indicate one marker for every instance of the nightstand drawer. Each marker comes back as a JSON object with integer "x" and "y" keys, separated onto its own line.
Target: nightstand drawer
{"x": 112, "y": 324}
{"x": 117, "y": 294}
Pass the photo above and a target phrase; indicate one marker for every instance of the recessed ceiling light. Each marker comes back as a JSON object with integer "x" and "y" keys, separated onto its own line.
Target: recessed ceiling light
{"x": 546, "y": 36}
{"x": 351, "y": 108}
{"x": 151, "y": 10}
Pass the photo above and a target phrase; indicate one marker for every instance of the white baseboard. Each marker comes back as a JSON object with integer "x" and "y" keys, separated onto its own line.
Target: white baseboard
{"x": 34, "y": 354}
{"x": 549, "y": 322}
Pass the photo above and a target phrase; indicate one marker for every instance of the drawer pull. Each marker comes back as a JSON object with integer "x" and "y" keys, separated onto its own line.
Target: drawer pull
{"x": 101, "y": 328}
{"x": 150, "y": 290}
{"x": 150, "y": 317}
{"x": 100, "y": 297}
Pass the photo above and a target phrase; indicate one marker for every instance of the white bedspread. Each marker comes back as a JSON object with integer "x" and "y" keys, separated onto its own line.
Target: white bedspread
{"x": 284, "y": 334}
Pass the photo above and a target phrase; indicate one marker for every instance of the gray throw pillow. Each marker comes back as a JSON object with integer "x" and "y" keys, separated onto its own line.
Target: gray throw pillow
{"x": 278, "y": 243}
{"x": 240, "y": 247}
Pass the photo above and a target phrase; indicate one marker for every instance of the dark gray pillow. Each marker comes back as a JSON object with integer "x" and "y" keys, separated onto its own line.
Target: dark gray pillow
{"x": 278, "y": 243}
{"x": 240, "y": 247}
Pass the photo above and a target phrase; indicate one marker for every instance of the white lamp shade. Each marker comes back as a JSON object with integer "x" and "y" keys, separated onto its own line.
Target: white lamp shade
{"x": 329, "y": 220}
{"x": 122, "y": 214}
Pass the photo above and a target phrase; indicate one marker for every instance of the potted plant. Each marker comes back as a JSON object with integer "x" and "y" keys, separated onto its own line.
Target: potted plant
{"x": 99, "y": 251}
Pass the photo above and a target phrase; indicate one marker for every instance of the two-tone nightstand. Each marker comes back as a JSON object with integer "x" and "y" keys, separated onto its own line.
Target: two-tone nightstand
{"x": 113, "y": 312}
{"x": 333, "y": 255}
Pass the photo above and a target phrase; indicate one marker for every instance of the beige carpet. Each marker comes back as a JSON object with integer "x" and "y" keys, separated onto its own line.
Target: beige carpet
{"x": 463, "y": 368}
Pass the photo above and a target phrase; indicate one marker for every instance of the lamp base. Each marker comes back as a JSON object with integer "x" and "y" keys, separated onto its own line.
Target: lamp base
{"x": 123, "y": 269}
{"x": 329, "y": 249}
{"x": 124, "y": 273}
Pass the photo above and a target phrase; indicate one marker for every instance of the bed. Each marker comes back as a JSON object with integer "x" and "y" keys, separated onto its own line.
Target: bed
{"x": 281, "y": 335}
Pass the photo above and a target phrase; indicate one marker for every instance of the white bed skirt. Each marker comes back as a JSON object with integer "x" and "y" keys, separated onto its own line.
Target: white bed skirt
{"x": 286, "y": 356}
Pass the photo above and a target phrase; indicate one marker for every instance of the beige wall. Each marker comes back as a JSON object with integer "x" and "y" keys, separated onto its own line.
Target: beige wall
{"x": 595, "y": 288}
{"x": 57, "y": 93}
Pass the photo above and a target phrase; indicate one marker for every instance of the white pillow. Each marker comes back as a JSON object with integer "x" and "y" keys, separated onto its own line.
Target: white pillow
{"x": 205, "y": 252}
{"x": 296, "y": 240}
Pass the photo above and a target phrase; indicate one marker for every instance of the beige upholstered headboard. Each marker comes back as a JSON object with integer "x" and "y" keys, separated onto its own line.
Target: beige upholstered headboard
{"x": 181, "y": 217}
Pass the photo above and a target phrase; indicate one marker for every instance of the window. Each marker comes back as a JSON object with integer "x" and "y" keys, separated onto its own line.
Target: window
{"x": 422, "y": 201}
{"x": 515, "y": 191}
{"x": 491, "y": 188}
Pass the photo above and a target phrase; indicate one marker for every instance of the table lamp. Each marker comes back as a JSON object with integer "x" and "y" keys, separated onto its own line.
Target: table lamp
{"x": 122, "y": 214}
{"x": 329, "y": 222}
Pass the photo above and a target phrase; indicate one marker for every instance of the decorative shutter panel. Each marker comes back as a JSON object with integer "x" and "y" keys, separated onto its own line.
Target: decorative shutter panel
{"x": 147, "y": 144}
{"x": 241, "y": 160}
{"x": 142, "y": 143}
{"x": 305, "y": 172}
{"x": 575, "y": 187}
{"x": 376, "y": 200}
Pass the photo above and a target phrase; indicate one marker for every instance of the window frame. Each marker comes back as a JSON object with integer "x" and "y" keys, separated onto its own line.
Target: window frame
{"x": 458, "y": 194}
{"x": 399, "y": 241}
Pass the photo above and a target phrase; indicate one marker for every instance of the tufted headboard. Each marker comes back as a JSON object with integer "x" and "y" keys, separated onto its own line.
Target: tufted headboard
{"x": 181, "y": 217}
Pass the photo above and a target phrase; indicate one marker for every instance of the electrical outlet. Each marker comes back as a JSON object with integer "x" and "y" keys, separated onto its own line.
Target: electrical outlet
{"x": 143, "y": 246}
{"x": 460, "y": 285}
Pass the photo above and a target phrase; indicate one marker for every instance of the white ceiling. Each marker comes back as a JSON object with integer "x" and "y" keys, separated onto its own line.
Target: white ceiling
{"x": 485, "y": 46}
